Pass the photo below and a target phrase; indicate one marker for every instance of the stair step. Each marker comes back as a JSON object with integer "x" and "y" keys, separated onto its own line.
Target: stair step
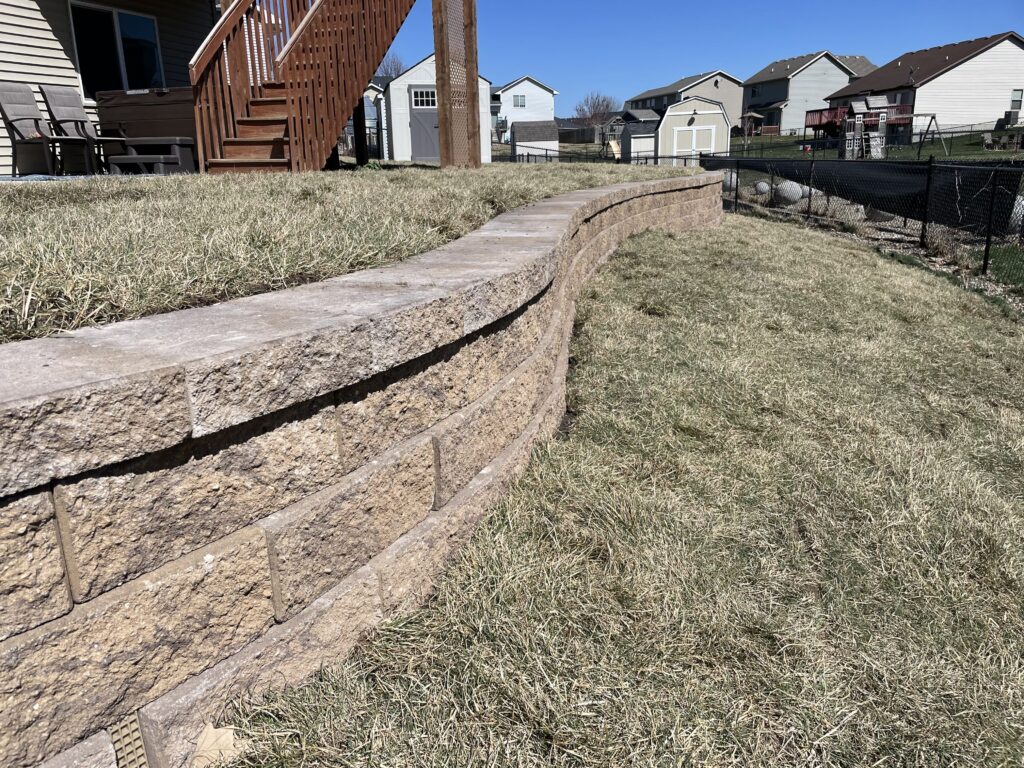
{"x": 262, "y": 127}
{"x": 269, "y": 107}
{"x": 256, "y": 149}
{"x": 274, "y": 87}
{"x": 248, "y": 165}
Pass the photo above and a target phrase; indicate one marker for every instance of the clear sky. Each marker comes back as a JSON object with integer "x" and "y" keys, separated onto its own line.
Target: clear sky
{"x": 627, "y": 46}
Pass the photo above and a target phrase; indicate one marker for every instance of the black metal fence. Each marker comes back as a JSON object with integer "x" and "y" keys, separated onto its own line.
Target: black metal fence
{"x": 970, "y": 213}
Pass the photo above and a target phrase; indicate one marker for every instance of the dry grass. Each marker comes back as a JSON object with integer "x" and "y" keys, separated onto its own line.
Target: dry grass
{"x": 101, "y": 250}
{"x": 786, "y": 529}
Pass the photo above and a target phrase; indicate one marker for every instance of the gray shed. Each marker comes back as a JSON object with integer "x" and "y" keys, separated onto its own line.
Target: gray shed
{"x": 535, "y": 139}
{"x": 639, "y": 141}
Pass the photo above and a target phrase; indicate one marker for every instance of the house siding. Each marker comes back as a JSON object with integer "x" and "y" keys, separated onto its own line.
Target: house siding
{"x": 977, "y": 91}
{"x": 810, "y": 89}
{"x": 729, "y": 93}
{"x": 767, "y": 93}
{"x": 37, "y": 47}
{"x": 540, "y": 104}
{"x": 398, "y": 117}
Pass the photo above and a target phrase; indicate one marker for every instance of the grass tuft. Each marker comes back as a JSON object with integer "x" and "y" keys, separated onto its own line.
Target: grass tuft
{"x": 785, "y": 530}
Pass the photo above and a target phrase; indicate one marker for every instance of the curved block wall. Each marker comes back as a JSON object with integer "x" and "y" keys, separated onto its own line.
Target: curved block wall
{"x": 215, "y": 500}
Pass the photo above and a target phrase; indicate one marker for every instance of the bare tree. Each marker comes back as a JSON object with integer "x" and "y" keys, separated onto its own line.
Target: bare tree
{"x": 596, "y": 108}
{"x": 392, "y": 66}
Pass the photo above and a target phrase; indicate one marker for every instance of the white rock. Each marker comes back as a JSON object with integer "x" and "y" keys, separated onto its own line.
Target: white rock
{"x": 729, "y": 184}
{"x": 787, "y": 193}
{"x": 762, "y": 188}
{"x": 1017, "y": 217}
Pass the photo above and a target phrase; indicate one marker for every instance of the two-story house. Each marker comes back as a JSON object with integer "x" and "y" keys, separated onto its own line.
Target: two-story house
{"x": 785, "y": 90}
{"x": 967, "y": 83}
{"x": 718, "y": 86}
{"x": 525, "y": 100}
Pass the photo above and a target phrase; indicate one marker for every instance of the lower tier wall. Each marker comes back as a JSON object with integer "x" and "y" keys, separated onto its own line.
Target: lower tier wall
{"x": 220, "y": 500}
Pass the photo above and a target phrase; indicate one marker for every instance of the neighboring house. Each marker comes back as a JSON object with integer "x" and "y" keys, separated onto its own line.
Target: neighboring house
{"x": 127, "y": 45}
{"x": 718, "y": 85}
{"x": 524, "y": 100}
{"x": 534, "y": 139}
{"x": 688, "y": 128}
{"x": 784, "y": 91}
{"x": 972, "y": 82}
{"x": 411, "y": 118}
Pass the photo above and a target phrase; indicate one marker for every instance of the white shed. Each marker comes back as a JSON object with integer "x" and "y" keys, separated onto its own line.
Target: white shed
{"x": 411, "y": 118}
{"x": 639, "y": 142}
{"x": 526, "y": 100}
{"x": 692, "y": 126}
{"x": 535, "y": 141}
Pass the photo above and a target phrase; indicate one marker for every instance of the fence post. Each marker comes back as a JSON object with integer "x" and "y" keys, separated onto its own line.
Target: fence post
{"x": 810, "y": 191}
{"x": 927, "y": 201}
{"x": 991, "y": 219}
{"x": 736, "y": 189}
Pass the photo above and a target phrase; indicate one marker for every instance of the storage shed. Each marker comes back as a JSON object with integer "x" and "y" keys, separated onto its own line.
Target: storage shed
{"x": 640, "y": 142}
{"x": 692, "y": 126}
{"x": 533, "y": 140}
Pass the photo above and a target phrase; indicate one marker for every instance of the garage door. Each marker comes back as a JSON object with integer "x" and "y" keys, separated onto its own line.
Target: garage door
{"x": 691, "y": 141}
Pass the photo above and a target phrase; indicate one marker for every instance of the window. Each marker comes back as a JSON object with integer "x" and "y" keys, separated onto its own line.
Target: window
{"x": 755, "y": 92}
{"x": 519, "y": 102}
{"x": 1015, "y": 100}
{"x": 424, "y": 98}
{"x": 117, "y": 50}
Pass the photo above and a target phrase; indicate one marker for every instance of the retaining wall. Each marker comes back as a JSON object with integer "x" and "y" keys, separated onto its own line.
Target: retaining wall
{"x": 215, "y": 500}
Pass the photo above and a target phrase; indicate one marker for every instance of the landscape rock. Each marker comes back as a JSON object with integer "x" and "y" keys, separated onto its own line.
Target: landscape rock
{"x": 787, "y": 193}
{"x": 762, "y": 188}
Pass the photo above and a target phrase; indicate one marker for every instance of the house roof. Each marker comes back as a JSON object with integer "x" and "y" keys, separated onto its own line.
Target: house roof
{"x": 408, "y": 72}
{"x": 916, "y": 68}
{"x": 535, "y": 130}
{"x": 633, "y": 115}
{"x": 572, "y": 122}
{"x": 681, "y": 85}
{"x": 642, "y": 128}
{"x": 857, "y": 66}
{"x": 380, "y": 83}
{"x": 535, "y": 81}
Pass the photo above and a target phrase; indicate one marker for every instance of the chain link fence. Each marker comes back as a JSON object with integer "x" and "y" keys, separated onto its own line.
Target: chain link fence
{"x": 967, "y": 215}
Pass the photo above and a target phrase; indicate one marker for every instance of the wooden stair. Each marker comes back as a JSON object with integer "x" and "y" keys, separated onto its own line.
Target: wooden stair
{"x": 262, "y": 144}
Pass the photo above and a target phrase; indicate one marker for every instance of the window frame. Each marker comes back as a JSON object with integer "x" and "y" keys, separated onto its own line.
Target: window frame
{"x": 516, "y": 99}
{"x": 114, "y": 11}
{"x": 1017, "y": 97}
{"x": 416, "y": 95}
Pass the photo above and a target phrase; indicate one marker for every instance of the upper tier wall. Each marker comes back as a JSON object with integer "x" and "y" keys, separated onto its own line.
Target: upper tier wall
{"x": 220, "y": 499}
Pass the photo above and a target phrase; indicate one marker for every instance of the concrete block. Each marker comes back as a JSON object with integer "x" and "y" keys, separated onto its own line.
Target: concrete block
{"x": 95, "y": 752}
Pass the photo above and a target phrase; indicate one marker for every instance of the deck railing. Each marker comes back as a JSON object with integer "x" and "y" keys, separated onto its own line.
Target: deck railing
{"x": 235, "y": 62}
{"x": 896, "y": 114}
{"x": 326, "y": 66}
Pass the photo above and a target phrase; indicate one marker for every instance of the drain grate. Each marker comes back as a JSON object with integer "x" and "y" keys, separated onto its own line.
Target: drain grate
{"x": 128, "y": 747}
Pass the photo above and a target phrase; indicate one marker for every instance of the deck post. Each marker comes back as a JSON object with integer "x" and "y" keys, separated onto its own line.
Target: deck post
{"x": 359, "y": 134}
{"x": 458, "y": 90}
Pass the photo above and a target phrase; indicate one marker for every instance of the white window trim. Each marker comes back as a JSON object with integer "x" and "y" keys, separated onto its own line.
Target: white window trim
{"x": 423, "y": 90}
{"x": 120, "y": 48}
{"x": 516, "y": 97}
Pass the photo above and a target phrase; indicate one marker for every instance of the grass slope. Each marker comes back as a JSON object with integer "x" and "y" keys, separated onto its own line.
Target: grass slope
{"x": 100, "y": 250}
{"x": 784, "y": 530}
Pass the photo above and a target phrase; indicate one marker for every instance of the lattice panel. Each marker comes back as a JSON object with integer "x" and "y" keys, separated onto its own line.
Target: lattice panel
{"x": 455, "y": 39}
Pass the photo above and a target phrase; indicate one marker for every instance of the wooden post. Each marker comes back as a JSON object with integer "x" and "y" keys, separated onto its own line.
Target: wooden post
{"x": 458, "y": 82}
{"x": 359, "y": 134}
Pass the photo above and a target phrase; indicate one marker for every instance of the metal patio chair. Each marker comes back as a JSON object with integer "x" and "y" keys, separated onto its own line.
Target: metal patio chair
{"x": 69, "y": 118}
{"x": 36, "y": 149}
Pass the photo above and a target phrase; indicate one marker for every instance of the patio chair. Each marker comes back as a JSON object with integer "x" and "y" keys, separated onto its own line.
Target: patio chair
{"x": 986, "y": 141}
{"x": 1004, "y": 143}
{"x": 35, "y": 148}
{"x": 69, "y": 118}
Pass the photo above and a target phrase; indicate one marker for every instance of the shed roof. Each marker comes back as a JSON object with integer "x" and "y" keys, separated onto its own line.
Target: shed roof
{"x": 642, "y": 128}
{"x": 857, "y": 66}
{"x": 681, "y": 85}
{"x": 535, "y": 130}
{"x": 633, "y": 115}
{"x": 914, "y": 69}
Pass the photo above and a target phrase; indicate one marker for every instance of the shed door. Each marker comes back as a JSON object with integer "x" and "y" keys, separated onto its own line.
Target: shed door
{"x": 426, "y": 142}
{"x": 690, "y": 142}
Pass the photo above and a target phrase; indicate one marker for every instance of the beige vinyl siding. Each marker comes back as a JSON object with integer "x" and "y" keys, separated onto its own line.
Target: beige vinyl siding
{"x": 729, "y": 93}
{"x": 36, "y": 43}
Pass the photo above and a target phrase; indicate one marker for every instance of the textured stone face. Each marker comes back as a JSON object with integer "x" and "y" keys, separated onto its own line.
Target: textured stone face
{"x": 88, "y": 425}
{"x": 32, "y": 585}
{"x": 317, "y": 542}
{"x": 96, "y": 752}
{"x": 67, "y": 679}
{"x": 120, "y": 526}
{"x": 470, "y": 439}
{"x": 288, "y": 654}
{"x": 372, "y": 422}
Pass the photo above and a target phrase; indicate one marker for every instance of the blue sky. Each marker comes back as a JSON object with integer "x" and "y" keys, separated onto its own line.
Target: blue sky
{"x": 658, "y": 41}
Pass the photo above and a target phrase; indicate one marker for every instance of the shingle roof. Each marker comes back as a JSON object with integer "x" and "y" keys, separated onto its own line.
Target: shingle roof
{"x": 785, "y": 68}
{"x": 518, "y": 80}
{"x": 640, "y": 114}
{"x": 535, "y": 130}
{"x": 916, "y": 68}
{"x": 642, "y": 128}
{"x": 680, "y": 85}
